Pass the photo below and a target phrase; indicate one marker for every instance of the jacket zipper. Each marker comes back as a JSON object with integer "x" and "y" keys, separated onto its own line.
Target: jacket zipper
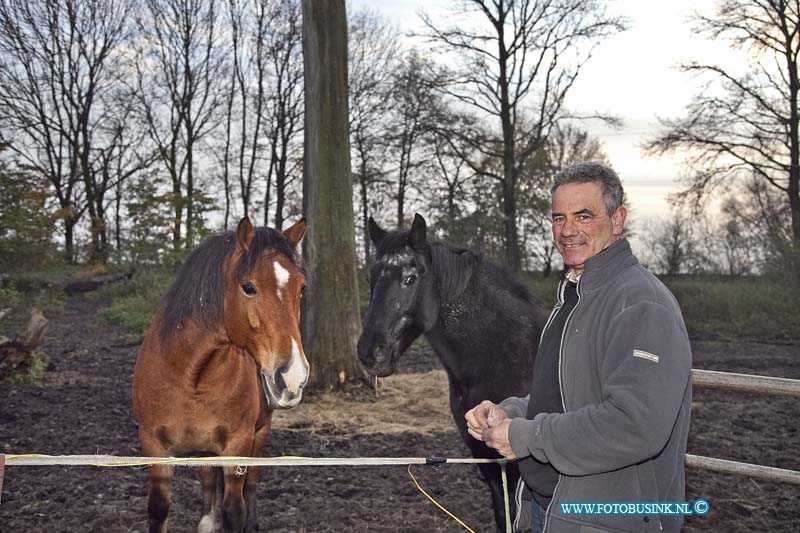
{"x": 519, "y": 490}
{"x": 560, "y": 385}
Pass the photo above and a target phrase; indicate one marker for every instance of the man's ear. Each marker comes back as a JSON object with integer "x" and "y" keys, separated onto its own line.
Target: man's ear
{"x": 618, "y": 221}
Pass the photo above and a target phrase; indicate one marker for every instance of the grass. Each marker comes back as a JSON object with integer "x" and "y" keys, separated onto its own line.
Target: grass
{"x": 33, "y": 374}
{"x": 738, "y": 307}
{"x": 133, "y": 304}
{"x": 719, "y": 306}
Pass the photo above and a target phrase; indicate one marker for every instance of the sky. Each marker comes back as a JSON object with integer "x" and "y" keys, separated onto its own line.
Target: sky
{"x": 632, "y": 75}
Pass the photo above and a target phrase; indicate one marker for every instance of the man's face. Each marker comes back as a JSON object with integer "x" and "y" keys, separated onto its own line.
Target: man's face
{"x": 582, "y": 227}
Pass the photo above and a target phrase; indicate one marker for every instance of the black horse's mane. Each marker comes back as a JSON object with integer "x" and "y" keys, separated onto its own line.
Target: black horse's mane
{"x": 199, "y": 288}
{"x": 456, "y": 266}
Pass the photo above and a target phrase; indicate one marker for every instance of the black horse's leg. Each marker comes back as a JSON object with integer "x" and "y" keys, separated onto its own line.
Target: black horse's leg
{"x": 208, "y": 479}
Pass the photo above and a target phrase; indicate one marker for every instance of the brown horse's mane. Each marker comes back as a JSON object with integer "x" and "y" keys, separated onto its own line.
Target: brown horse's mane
{"x": 199, "y": 288}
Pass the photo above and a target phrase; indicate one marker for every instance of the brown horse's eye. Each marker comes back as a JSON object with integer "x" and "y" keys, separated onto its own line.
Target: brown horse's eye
{"x": 249, "y": 289}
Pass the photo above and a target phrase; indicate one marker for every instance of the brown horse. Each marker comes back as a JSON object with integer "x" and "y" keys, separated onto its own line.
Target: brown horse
{"x": 223, "y": 352}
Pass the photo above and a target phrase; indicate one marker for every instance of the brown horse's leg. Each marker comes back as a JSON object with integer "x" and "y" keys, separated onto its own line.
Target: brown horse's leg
{"x": 208, "y": 479}
{"x": 233, "y": 510}
{"x": 251, "y": 481}
{"x": 159, "y": 497}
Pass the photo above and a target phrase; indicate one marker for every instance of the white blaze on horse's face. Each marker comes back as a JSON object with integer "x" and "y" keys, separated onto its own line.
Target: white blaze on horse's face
{"x": 281, "y": 278}
{"x": 294, "y": 376}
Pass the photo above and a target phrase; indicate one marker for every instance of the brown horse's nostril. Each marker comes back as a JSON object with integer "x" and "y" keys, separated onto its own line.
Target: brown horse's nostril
{"x": 279, "y": 381}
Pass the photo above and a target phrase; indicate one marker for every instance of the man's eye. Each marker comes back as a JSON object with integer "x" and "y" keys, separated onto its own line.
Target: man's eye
{"x": 409, "y": 280}
{"x": 249, "y": 289}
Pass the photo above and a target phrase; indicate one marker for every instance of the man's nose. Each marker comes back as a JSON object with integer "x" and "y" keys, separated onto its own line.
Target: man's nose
{"x": 569, "y": 228}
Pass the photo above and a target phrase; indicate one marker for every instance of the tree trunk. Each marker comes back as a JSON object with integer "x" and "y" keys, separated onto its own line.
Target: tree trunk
{"x": 331, "y": 319}
{"x": 362, "y": 179}
{"x": 69, "y": 241}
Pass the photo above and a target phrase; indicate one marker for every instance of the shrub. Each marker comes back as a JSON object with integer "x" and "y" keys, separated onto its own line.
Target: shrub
{"x": 133, "y": 304}
{"x": 32, "y": 374}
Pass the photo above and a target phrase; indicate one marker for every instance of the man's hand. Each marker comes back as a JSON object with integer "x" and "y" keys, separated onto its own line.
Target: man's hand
{"x": 496, "y": 436}
{"x": 483, "y": 416}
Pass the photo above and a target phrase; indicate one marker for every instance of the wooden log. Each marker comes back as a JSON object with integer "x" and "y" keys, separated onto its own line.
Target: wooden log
{"x": 18, "y": 352}
{"x": 746, "y": 382}
{"x": 92, "y": 284}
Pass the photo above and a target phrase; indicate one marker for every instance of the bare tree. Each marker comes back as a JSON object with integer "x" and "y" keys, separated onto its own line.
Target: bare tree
{"x": 744, "y": 125}
{"x": 179, "y": 67}
{"x": 56, "y": 62}
{"x": 331, "y": 316}
{"x": 415, "y": 106}
{"x": 449, "y": 166}
{"x": 373, "y": 50}
{"x": 518, "y": 72}
{"x": 671, "y": 245}
{"x": 285, "y": 102}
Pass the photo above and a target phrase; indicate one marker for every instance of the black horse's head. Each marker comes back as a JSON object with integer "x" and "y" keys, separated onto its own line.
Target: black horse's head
{"x": 404, "y": 296}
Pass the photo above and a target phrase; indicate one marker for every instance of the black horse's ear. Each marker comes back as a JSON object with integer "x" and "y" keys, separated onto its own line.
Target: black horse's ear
{"x": 376, "y": 234}
{"x": 245, "y": 233}
{"x": 417, "y": 237}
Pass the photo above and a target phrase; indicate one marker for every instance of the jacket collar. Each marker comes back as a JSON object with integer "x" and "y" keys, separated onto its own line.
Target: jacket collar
{"x": 605, "y": 266}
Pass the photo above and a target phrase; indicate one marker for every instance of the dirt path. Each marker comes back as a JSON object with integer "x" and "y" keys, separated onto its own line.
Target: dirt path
{"x": 83, "y": 407}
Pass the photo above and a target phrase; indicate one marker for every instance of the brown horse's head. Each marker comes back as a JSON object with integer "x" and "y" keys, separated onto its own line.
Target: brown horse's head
{"x": 262, "y": 311}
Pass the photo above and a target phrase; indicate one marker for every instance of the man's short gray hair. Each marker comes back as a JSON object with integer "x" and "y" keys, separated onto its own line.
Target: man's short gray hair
{"x": 589, "y": 172}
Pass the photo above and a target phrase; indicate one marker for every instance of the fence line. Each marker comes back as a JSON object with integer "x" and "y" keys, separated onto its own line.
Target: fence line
{"x": 121, "y": 461}
{"x": 692, "y": 461}
{"x": 701, "y": 378}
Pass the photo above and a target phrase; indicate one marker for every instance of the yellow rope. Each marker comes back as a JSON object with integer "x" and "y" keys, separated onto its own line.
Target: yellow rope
{"x": 451, "y": 515}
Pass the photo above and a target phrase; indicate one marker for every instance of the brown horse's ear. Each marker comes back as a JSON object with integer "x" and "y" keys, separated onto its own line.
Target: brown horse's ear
{"x": 376, "y": 234}
{"x": 295, "y": 235}
{"x": 245, "y": 233}
{"x": 417, "y": 237}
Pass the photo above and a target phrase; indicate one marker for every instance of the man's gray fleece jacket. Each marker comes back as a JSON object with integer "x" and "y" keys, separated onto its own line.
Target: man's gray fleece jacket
{"x": 624, "y": 368}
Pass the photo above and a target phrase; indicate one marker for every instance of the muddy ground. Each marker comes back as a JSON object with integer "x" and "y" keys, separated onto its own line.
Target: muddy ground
{"x": 83, "y": 407}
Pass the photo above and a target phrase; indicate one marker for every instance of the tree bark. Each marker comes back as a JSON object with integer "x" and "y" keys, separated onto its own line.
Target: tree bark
{"x": 331, "y": 321}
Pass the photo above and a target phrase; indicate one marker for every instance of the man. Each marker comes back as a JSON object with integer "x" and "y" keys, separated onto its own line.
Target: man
{"x": 608, "y": 414}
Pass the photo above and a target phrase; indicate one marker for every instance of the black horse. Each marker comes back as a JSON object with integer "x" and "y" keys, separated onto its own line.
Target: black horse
{"x": 482, "y": 323}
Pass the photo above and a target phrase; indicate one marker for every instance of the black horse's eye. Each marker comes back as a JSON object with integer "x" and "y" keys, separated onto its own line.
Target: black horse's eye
{"x": 249, "y": 289}
{"x": 409, "y": 280}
